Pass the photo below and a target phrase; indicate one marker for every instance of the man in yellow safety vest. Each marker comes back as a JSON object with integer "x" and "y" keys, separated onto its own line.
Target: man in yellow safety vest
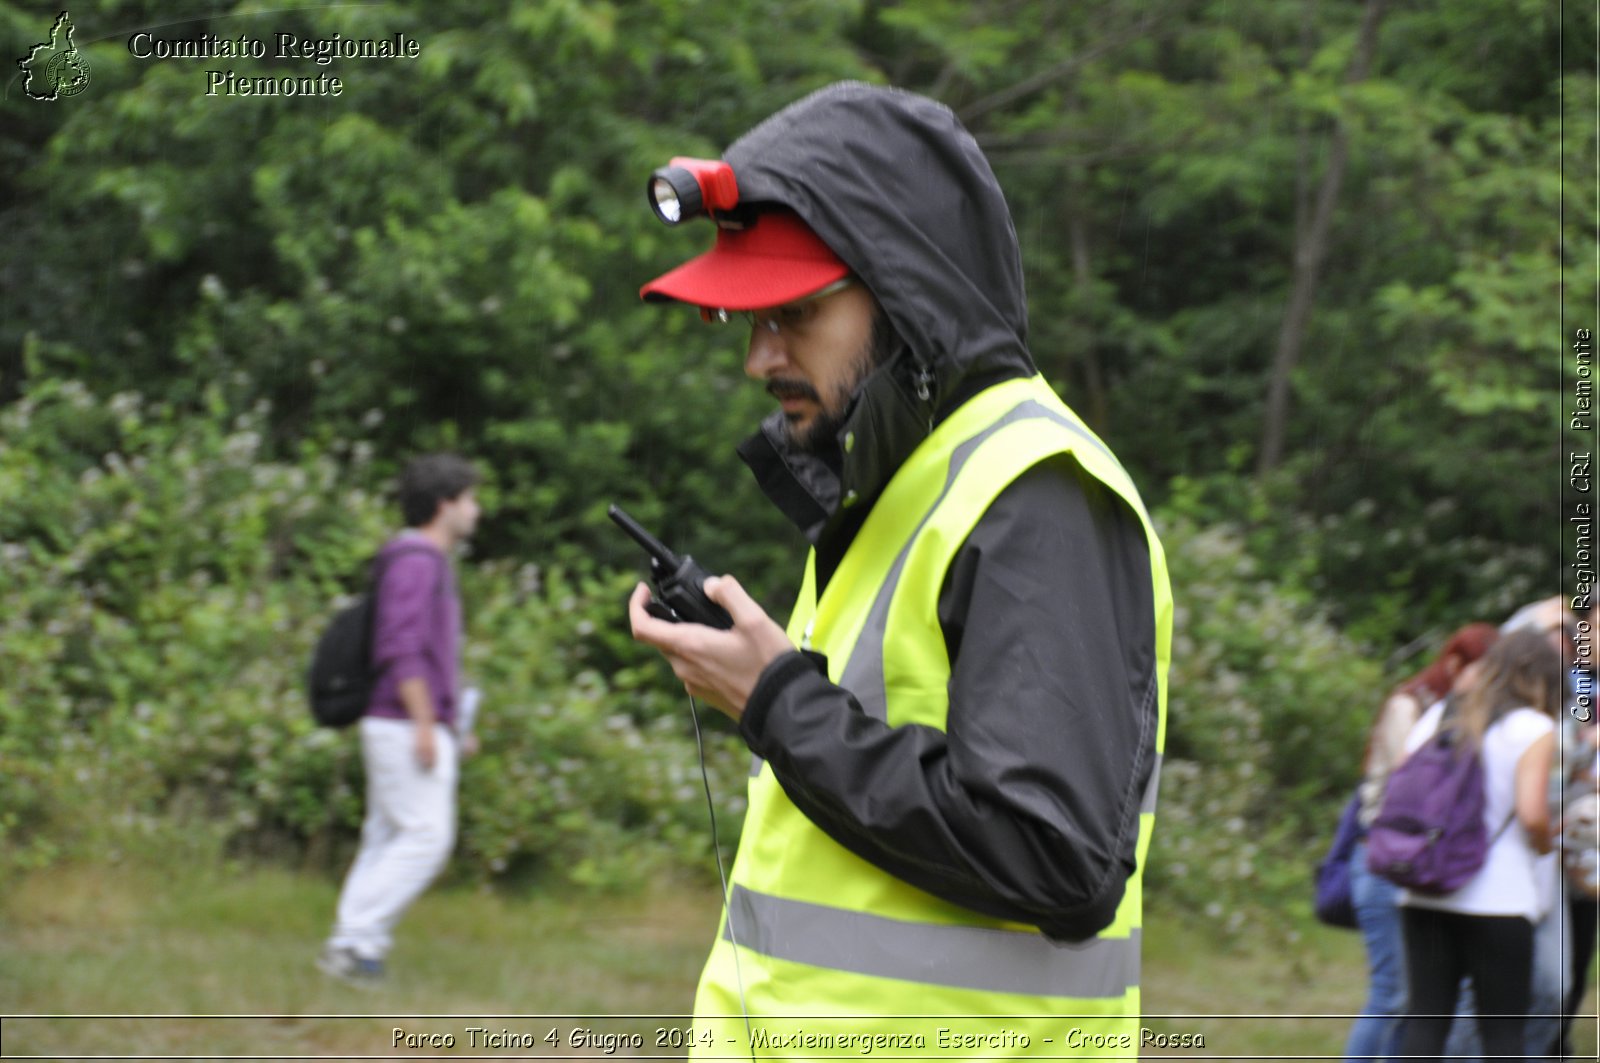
{"x": 959, "y": 733}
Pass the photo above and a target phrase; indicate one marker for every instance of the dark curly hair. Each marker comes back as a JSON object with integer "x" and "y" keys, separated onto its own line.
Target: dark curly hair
{"x": 431, "y": 479}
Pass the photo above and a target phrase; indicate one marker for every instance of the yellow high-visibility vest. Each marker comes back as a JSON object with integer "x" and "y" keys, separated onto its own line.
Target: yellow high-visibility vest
{"x": 822, "y": 955}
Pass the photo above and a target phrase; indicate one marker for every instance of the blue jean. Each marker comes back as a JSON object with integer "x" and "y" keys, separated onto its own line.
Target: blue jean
{"x": 1375, "y": 1035}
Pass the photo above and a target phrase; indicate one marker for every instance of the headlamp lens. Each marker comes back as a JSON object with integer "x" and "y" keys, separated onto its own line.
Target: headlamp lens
{"x": 675, "y": 194}
{"x": 664, "y": 200}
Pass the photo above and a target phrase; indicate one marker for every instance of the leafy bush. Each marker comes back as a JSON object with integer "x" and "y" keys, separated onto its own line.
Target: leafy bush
{"x": 1267, "y": 713}
{"x": 1385, "y": 579}
{"x": 165, "y": 581}
{"x": 164, "y": 585}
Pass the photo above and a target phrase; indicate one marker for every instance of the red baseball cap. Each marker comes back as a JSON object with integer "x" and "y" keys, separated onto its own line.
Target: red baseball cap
{"x": 775, "y": 260}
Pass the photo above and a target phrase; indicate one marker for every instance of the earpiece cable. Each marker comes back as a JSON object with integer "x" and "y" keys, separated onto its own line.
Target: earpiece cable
{"x": 727, "y": 897}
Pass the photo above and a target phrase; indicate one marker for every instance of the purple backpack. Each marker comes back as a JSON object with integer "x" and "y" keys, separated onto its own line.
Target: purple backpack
{"x": 1331, "y": 899}
{"x": 1429, "y": 835}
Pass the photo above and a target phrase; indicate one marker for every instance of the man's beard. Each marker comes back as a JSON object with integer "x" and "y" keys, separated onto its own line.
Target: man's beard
{"x": 821, "y": 436}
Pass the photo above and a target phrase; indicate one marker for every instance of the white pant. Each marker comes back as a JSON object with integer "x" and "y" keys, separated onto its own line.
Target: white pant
{"x": 407, "y": 836}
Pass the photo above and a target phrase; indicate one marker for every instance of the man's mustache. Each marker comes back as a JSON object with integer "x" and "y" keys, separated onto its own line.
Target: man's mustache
{"x": 780, "y": 388}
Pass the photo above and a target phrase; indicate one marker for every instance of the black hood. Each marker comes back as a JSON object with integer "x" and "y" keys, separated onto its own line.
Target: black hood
{"x": 900, "y": 191}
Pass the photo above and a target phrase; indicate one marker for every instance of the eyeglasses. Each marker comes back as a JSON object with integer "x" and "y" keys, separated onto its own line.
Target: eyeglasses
{"x": 788, "y": 317}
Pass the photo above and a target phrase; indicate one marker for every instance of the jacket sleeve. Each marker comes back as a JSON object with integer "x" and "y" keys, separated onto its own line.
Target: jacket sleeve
{"x": 1027, "y": 806}
{"x": 402, "y": 621}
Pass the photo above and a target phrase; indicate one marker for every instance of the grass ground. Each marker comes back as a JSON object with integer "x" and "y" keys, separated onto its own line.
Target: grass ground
{"x": 218, "y": 961}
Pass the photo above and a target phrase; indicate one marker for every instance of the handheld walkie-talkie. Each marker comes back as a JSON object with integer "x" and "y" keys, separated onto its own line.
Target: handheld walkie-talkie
{"x": 680, "y": 594}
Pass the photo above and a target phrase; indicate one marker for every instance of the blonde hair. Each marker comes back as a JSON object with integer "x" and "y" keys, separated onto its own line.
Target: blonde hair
{"x": 1522, "y": 670}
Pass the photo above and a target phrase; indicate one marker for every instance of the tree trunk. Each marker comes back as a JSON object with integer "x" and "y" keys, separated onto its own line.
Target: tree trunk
{"x": 1098, "y": 412}
{"x": 1076, "y": 187}
{"x": 1311, "y": 246}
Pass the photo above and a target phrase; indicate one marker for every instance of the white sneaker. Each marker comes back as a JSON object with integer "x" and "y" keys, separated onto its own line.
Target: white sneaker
{"x": 345, "y": 965}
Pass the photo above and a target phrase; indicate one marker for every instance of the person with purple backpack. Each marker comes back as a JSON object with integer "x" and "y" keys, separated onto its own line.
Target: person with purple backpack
{"x": 1482, "y": 929}
{"x": 1375, "y": 1034}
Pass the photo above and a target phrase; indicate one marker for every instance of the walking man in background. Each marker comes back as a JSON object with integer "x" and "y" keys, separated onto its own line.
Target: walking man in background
{"x": 959, "y": 732}
{"x": 409, "y": 741}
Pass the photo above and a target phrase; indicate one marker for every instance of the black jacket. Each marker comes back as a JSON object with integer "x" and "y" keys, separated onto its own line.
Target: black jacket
{"x": 1026, "y": 806}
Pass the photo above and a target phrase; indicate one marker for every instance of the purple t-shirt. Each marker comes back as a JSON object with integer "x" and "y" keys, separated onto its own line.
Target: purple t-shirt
{"x": 417, "y": 627}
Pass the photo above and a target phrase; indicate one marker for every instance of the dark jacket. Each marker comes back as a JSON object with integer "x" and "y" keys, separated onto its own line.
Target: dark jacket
{"x": 1026, "y": 806}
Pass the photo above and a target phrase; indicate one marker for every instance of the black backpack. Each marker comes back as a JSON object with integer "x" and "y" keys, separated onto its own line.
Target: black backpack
{"x": 340, "y": 680}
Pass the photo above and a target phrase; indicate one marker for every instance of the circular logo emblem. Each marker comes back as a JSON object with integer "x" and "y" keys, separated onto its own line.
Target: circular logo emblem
{"x": 68, "y": 73}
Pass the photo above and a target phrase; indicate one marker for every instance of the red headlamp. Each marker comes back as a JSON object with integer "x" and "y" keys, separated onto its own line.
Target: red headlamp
{"x": 686, "y": 188}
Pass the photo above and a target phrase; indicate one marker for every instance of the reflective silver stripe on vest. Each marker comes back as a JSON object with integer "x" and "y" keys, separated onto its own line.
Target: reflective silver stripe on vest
{"x": 1147, "y": 807}
{"x": 863, "y": 674}
{"x": 961, "y": 957}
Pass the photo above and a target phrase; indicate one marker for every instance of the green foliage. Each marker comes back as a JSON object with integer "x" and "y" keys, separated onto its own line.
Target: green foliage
{"x": 305, "y": 292}
{"x": 153, "y": 563}
{"x": 589, "y": 768}
{"x": 165, "y": 583}
{"x": 449, "y": 253}
{"x": 1440, "y": 567}
{"x": 175, "y": 580}
{"x": 1267, "y": 716}
{"x": 1162, "y": 161}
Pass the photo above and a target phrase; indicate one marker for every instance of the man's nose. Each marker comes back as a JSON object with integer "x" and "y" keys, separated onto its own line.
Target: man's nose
{"x": 767, "y": 353}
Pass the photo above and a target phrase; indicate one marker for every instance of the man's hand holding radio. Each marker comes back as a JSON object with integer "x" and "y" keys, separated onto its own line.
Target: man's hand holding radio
{"x": 720, "y": 667}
